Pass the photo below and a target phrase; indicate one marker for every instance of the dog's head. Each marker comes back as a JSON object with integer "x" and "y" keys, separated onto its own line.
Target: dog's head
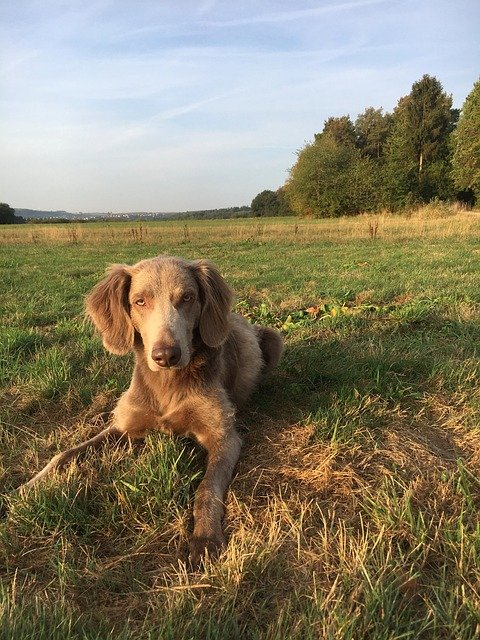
{"x": 162, "y": 301}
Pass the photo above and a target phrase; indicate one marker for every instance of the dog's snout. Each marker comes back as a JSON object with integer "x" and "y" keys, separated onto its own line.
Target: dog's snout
{"x": 166, "y": 355}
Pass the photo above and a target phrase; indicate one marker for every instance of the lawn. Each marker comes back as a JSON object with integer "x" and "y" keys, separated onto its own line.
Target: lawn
{"x": 354, "y": 510}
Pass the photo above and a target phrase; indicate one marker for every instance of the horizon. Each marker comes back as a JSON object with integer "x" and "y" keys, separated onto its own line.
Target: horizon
{"x": 175, "y": 107}
{"x": 127, "y": 212}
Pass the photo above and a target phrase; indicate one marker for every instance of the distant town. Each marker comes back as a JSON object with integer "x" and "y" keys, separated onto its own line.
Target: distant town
{"x": 66, "y": 216}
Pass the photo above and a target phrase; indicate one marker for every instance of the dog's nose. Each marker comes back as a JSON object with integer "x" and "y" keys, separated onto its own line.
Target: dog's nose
{"x": 166, "y": 356}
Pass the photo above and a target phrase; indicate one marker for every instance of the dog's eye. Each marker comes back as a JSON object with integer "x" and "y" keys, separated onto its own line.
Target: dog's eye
{"x": 140, "y": 302}
{"x": 187, "y": 297}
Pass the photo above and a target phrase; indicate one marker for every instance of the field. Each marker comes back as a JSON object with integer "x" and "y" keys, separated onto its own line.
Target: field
{"x": 354, "y": 510}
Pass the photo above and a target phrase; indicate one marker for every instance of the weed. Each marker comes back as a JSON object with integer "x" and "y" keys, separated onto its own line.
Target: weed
{"x": 372, "y": 229}
{"x": 138, "y": 234}
{"x": 73, "y": 235}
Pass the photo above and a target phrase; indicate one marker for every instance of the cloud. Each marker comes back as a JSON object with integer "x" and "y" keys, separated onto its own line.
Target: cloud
{"x": 298, "y": 14}
{"x": 206, "y": 7}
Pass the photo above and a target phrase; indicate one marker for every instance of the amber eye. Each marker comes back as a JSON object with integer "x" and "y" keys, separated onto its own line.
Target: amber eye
{"x": 140, "y": 302}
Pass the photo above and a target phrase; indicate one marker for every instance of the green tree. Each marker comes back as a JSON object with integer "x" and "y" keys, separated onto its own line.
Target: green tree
{"x": 372, "y": 128}
{"x": 340, "y": 129}
{"x": 284, "y": 208}
{"x": 7, "y": 214}
{"x": 417, "y": 152}
{"x": 331, "y": 179}
{"x": 266, "y": 203}
{"x": 466, "y": 145}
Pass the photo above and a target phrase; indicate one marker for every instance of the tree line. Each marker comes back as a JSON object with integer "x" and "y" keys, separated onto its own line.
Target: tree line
{"x": 7, "y": 215}
{"x": 422, "y": 151}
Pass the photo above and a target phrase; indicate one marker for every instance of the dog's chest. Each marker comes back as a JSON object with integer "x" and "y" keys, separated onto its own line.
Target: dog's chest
{"x": 167, "y": 395}
{"x": 166, "y": 400}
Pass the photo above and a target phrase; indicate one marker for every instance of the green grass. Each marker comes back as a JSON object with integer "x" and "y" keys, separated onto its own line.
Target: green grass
{"x": 354, "y": 511}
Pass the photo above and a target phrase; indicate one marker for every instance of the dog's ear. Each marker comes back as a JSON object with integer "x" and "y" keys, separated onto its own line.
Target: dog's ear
{"x": 217, "y": 301}
{"x": 107, "y": 306}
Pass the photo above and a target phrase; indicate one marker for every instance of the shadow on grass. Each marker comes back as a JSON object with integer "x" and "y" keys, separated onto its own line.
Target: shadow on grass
{"x": 385, "y": 395}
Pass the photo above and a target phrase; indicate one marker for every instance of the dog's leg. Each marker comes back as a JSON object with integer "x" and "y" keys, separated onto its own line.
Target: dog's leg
{"x": 209, "y": 509}
{"x": 58, "y": 461}
{"x": 211, "y": 422}
{"x": 271, "y": 344}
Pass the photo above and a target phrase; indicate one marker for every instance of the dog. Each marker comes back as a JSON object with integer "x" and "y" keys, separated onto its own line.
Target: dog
{"x": 196, "y": 363}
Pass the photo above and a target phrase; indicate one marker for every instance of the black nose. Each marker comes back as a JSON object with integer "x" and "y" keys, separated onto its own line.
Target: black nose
{"x": 166, "y": 356}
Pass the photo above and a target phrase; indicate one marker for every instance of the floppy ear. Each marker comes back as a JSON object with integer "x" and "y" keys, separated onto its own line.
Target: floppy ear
{"x": 107, "y": 307}
{"x": 217, "y": 301}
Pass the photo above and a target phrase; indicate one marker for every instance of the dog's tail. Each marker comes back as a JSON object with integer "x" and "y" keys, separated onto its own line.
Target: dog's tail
{"x": 271, "y": 344}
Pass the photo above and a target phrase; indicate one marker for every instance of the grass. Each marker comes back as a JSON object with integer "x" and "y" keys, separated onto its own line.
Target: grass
{"x": 354, "y": 511}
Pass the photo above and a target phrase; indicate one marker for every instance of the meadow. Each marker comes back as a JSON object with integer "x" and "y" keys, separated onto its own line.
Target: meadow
{"x": 353, "y": 513}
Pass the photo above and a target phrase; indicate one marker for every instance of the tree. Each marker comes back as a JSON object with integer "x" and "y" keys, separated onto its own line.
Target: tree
{"x": 284, "y": 208}
{"x": 331, "y": 179}
{"x": 372, "y": 128}
{"x": 417, "y": 151}
{"x": 7, "y": 214}
{"x": 466, "y": 145}
{"x": 340, "y": 129}
{"x": 266, "y": 203}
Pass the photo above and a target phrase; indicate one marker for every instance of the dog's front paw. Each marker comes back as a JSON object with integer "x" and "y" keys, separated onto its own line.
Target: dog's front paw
{"x": 201, "y": 547}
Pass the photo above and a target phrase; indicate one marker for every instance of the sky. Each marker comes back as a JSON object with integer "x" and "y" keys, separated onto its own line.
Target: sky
{"x": 175, "y": 105}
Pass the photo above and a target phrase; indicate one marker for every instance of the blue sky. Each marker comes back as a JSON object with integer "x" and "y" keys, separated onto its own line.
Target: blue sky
{"x": 122, "y": 105}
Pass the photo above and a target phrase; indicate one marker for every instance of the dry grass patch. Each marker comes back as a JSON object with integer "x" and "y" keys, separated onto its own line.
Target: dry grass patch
{"x": 435, "y": 220}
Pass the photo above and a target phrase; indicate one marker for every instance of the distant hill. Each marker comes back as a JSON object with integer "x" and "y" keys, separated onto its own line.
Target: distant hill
{"x": 52, "y": 216}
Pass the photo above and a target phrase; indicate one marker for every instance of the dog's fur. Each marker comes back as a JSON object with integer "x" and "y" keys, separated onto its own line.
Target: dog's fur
{"x": 196, "y": 362}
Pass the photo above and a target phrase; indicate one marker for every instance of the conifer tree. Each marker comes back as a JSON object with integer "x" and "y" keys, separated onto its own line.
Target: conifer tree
{"x": 466, "y": 143}
{"x": 372, "y": 128}
{"x": 417, "y": 151}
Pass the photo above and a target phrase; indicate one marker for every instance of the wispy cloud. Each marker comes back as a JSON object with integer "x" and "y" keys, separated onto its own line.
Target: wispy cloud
{"x": 297, "y": 14}
{"x": 181, "y": 110}
{"x": 17, "y": 58}
{"x": 206, "y": 7}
